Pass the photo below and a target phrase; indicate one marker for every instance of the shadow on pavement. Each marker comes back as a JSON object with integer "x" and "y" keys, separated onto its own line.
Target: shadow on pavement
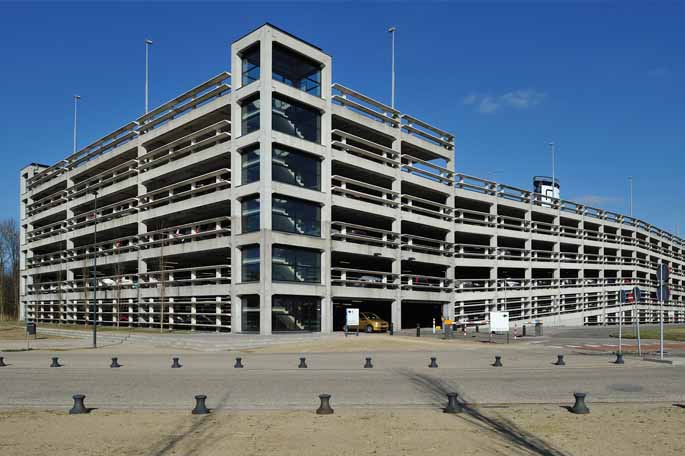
{"x": 200, "y": 429}
{"x": 502, "y": 427}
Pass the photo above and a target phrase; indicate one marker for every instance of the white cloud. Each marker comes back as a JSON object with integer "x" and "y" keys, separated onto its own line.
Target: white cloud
{"x": 518, "y": 99}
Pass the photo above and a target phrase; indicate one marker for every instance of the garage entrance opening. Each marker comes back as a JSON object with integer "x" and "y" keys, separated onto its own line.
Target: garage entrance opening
{"x": 381, "y": 308}
{"x": 422, "y": 313}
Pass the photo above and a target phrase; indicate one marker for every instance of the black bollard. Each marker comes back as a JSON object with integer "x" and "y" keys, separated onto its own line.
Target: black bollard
{"x": 325, "y": 406}
{"x": 2, "y": 361}
{"x": 79, "y": 407}
{"x": 524, "y": 331}
{"x": 477, "y": 328}
{"x": 115, "y": 363}
{"x": 619, "y": 358}
{"x": 303, "y": 363}
{"x": 55, "y": 362}
{"x": 418, "y": 330}
{"x": 368, "y": 364}
{"x": 391, "y": 329}
{"x": 200, "y": 406}
{"x": 560, "y": 361}
{"x": 433, "y": 363}
{"x": 175, "y": 364}
{"x": 579, "y": 407}
{"x": 498, "y": 361}
{"x": 238, "y": 363}
{"x": 453, "y": 406}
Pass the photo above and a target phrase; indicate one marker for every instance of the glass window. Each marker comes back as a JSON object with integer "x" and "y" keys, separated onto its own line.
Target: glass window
{"x": 250, "y": 164}
{"x": 293, "y": 167}
{"x": 250, "y": 263}
{"x": 250, "y": 115}
{"x": 250, "y": 214}
{"x": 250, "y": 313}
{"x": 294, "y": 215}
{"x": 296, "y": 264}
{"x": 250, "y": 59}
{"x": 295, "y": 313}
{"x": 296, "y": 70}
{"x": 296, "y": 119}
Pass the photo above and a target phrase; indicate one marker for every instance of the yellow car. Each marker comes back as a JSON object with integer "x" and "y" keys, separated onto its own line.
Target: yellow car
{"x": 371, "y": 322}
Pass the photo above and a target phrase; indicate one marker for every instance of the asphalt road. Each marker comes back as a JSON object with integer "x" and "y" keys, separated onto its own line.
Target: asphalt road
{"x": 273, "y": 381}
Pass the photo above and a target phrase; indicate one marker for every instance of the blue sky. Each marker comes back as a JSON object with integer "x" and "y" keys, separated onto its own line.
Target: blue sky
{"x": 603, "y": 81}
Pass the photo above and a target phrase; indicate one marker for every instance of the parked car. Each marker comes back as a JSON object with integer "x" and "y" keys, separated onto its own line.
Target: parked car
{"x": 370, "y": 279}
{"x": 370, "y": 322}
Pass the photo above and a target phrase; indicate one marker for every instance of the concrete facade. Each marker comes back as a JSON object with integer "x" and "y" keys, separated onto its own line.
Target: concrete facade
{"x": 276, "y": 201}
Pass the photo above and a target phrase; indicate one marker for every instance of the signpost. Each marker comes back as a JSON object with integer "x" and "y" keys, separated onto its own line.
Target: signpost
{"x": 622, "y": 299}
{"x": 662, "y": 275}
{"x": 499, "y": 322}
{"x": 351, "y": 319}
{"x": 636, "y": 297}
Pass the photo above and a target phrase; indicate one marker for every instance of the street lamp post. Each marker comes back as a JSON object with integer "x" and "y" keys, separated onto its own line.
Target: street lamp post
{"x": 392, "y": 31}
{"x": 630, "y": 191}
{"x": 76, "y": 99}
{"x": 148, "y": 43}
{"x": 95, "y": 276}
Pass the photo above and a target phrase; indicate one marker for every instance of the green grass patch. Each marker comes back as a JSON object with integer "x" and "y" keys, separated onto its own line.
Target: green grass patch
{"x": 676, "y": 334}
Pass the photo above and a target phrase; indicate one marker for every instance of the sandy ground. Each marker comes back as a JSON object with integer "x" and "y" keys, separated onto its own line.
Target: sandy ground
{"x": 520, "y": 430}
{"x": 371, "y": 343}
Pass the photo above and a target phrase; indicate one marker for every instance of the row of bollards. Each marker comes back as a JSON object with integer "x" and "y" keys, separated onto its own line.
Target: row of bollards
{"x": 453, "y": 405}
{"x": 176, "y": 364}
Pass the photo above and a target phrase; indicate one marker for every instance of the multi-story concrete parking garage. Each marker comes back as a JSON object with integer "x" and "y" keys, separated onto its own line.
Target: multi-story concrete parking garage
{"x": 275, "y": 201}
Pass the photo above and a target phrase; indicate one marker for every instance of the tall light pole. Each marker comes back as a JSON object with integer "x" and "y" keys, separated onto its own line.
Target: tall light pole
{"x": 392, "y": 31}
{"x": 95, "y": 274}
{"x": 552, "y": 148}
{"x": 76, "y": 99}
{"x": 630, "y": 191}
{"x": 148, "y": 43}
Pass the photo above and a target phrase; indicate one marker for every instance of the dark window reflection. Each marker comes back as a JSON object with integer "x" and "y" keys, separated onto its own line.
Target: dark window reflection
{"x": 295, "y": 313}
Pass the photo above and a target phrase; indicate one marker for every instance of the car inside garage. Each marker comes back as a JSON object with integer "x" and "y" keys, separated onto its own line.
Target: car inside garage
{"x": 383, "y": 309}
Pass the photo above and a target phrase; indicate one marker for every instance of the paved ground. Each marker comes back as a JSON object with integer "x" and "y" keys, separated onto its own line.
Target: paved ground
{"x": 272, "y": 380}
{"x": 393, "y": 408}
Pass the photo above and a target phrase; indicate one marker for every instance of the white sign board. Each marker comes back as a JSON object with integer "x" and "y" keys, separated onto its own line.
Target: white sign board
{"x": 352, "y": 317}
{"x": 499, "y": 321}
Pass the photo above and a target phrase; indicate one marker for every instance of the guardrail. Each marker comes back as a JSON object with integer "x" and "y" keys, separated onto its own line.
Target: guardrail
{"x": 421, "y": 129}
{"x": 351, "y": 188}
{"x": 204, "y": 93}
{"x": 414, "y": 204}
{"x": 348, "y": 277}
{"x": 194, "y": 98}
{"x": 423, "y": 244}
{"x": 364, "y": 148}
{"x": 427, "y": 170}
{"x": 194, "y": 142}
{"x": 416, "y": 282}
{"x": 366, "y": 106}
{"x": 361, "y": 234}
{"x": 114, "y": 175}
{"x": 193, "y": 187}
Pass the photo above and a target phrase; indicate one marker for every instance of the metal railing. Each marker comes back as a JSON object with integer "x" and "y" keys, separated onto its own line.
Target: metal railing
{"x": 366, "y": 106}
{"x": 348, "y": 277}
{"x": 364, "y": 148}
{"x": 351, "y": 188}
{"x": 361, "y": 234}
